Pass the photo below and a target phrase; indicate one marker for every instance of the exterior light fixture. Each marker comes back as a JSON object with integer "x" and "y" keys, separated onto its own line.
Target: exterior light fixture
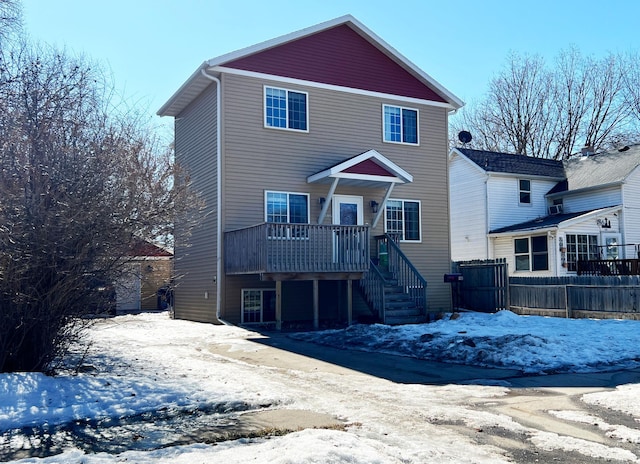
{"x": 374, "y": 206}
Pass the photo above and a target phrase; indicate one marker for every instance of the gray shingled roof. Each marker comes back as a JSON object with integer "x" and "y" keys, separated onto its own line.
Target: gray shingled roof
{"x": 602, "y": 169}
{"x": 492, "y": 161}
{"x": 540, "y": 223}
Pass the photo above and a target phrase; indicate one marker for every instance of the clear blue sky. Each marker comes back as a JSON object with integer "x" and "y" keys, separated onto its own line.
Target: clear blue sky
{"x": 152, "y": 46}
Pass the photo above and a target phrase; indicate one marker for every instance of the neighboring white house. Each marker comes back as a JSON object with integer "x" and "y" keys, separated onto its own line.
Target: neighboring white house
{"x": 544, "y": 215}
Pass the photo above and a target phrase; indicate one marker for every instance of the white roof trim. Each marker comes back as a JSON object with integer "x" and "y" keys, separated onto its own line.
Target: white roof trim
{"x": 465, "y": 157}
{"x": 320, "y": 85}
{"x": 560, "y": 225}
{"x": 179, "y": 100}
{"x": 401, "y": 176}
{"x": 590, "y": 215}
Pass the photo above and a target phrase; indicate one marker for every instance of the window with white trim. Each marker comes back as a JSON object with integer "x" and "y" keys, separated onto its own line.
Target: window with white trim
{"x": 400, "y": 125}
{"x": 403, "y": 220}
{"x": 258, "y": 305}
{"x": 287, "y": 208}
{"x": 581, "y": 247}
{"x": 285, "y": 109}
{"x": 524, "y": 187}
{"x": 531, "y": 253}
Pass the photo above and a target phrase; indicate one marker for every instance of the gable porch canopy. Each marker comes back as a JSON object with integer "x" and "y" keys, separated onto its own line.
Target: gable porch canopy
{"x": 368, "y": 169}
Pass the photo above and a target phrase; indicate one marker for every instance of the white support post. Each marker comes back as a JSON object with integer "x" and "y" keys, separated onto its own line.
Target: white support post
{"x": 327, "y": 200}
{"x": 382, "y": 205}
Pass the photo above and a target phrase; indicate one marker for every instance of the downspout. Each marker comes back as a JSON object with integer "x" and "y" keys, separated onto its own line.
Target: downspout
{"x": 487, "y": 217}
{"x": 218, "y": 191}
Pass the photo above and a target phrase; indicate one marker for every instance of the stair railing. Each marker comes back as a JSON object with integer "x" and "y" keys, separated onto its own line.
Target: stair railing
{"x": 372, "y": 285}
{"x": 408, "y": 277}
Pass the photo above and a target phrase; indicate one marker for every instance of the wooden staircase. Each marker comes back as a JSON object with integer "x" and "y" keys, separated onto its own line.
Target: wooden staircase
{"x": 400, "y": 306}
{"x": 393, "y": 288}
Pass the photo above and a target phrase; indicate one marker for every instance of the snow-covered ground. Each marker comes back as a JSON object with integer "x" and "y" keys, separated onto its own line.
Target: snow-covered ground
{"x": 148, "y": 363}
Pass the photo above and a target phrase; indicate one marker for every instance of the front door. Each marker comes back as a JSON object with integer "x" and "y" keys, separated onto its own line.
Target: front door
{"x": 347, "y": 210}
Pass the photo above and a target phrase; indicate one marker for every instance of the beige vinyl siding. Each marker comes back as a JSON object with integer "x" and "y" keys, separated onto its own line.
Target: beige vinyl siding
{"x": 341, "y": 125}
{"x": 195, "y": 256}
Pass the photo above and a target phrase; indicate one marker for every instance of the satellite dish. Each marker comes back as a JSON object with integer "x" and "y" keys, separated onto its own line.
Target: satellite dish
{"x": 464, "y": 136}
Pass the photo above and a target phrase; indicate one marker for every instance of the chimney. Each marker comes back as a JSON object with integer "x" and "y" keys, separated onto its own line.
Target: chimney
{"x": 587, "y": 150}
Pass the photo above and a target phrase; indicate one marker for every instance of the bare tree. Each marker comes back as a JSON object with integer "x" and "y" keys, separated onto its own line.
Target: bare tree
{"x": 632, "y": 85}
{"x": 513, "y": 117}
{"x": 571, "y": 100}
{"x": 534, "y": 111}
{"x": 79, "y": 185}
{"x": 10, "y": 18}
{"x": 608, "y": 108}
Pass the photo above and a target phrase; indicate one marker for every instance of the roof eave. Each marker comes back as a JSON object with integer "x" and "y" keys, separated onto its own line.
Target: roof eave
{"x": 187, "y": 92}
{"x": 584, "y": 189}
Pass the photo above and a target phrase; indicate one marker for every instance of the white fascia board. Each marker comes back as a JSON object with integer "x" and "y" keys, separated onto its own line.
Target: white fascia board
{"x": 523, "y": 232}
{"x": 402, "y": 176}
{"x": 454, "y": 151}
{"x": 585, "y": 189}
{"x": 368, "y": 177}
{"x": 319, "y": 85}
{"x": 589, "y": 215}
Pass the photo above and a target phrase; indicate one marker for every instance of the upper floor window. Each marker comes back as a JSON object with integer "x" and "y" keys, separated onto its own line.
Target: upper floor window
{"x": 525, "y": 191}
{"x": 403, "y": 219}
{"x": 285, "y": 109}
{"x": 400, "y": 124}
{"x": 531, "y": 253}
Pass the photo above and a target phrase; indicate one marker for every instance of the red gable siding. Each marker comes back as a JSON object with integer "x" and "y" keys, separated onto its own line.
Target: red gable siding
{"x": 337, "y": 56}
{"x": 370, "y": 168}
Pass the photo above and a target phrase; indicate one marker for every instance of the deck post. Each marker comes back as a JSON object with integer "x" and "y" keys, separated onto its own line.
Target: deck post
{"x": 278, "y": 305}
{"x": 349, "y": 302}
{"x": 316, "y": 305}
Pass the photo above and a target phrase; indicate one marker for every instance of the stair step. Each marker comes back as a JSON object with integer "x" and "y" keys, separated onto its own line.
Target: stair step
{"x": 393, "y": 289}
{"x": 398, "y": 312}
{"x": 392, "y": 320}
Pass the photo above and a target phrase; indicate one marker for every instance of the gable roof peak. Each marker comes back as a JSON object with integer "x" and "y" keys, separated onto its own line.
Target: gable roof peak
{"x": 197, "y": 82}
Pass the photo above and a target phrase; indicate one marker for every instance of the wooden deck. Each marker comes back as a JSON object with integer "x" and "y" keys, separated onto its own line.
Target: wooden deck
{"x": 297, "y": 251}
{"x": 609, "y": 267}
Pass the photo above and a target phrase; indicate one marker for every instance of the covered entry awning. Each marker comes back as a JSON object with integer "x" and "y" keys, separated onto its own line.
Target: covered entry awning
{"x": 368, "y": 169}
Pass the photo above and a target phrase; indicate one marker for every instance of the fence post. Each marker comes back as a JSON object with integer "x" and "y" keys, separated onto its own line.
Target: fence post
{"x": 566, "y": 302}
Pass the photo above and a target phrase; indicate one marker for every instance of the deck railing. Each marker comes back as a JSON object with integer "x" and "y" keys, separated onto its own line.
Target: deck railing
{"x": 372, "y": 285}
{"x": 612, "y": 267}
{"x": 297, "y": 248}
{"x": 406, "y": 273}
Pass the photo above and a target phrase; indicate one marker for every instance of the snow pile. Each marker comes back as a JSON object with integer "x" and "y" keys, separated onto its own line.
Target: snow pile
{"x": 533, "y": 344}
{"x": 148, "y": 363}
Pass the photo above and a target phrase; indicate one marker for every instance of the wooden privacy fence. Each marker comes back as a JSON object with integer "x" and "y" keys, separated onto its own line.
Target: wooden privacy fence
{"x": 485, "y": 285}
{"x": 576, "y": 296}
